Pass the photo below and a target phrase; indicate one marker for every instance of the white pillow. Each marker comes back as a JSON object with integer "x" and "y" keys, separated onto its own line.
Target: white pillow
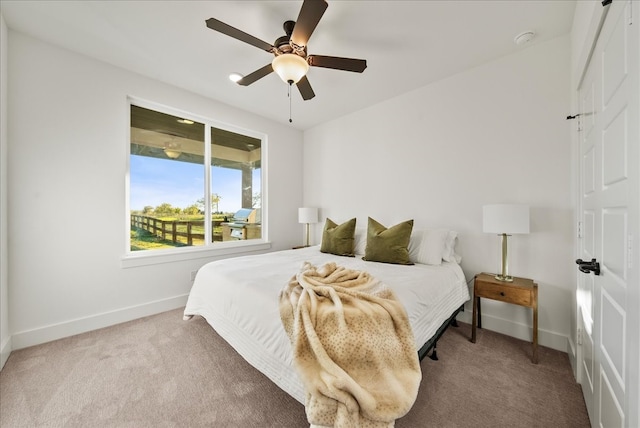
{"x": 360, "y": 240}
{"x": 449, "y": 254}
{"x": 431, "y": 246}
{"x": 427, "y": 246}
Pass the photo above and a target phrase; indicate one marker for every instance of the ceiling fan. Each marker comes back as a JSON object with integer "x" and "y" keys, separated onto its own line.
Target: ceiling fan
{"x": 291, "y": 61}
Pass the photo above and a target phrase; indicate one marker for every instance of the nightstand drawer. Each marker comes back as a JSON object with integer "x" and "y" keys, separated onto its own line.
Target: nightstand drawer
{"x": 516, "y": 295}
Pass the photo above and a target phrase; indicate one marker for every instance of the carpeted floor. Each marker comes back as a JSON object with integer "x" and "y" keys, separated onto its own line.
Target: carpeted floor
{"x": 162, "y": 371}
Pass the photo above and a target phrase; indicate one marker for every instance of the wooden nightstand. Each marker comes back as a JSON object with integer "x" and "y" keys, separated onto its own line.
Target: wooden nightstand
{"x": 521, "y": 291}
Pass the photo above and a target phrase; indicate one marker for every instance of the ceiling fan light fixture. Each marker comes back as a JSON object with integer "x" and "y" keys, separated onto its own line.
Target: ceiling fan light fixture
{"x": 290, "y": 67}
{"x": 172, "y": 154}
{"x": 173, "y": 150}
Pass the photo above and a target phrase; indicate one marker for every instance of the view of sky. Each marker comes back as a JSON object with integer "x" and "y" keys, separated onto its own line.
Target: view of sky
{"x": 154, "y": 181}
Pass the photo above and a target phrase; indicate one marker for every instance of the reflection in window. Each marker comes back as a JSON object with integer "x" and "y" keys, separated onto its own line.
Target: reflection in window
{"x": 235, "y": 163}
{"x": 170, "y": 197}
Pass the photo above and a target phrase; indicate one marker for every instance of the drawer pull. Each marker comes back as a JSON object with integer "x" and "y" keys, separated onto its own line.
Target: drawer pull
{"x": 502, "y": 293}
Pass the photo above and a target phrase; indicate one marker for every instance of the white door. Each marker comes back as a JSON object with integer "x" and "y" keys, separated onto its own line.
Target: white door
{"x": 609, "y": 303}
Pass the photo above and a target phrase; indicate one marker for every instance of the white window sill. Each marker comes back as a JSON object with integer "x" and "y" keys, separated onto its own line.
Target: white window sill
{"x": 152, "y": 257}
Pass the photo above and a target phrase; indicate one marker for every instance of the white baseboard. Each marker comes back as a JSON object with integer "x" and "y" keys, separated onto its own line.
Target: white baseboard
{"x": 48, "y": 333}
{"x": 546, "y": 338}
{"x": 5, "y": 350}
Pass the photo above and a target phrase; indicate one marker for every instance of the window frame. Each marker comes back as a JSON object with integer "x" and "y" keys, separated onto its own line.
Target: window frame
{"x": 209, "y": 249}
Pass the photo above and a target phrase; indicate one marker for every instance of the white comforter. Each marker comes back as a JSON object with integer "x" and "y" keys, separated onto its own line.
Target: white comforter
{"x": 239, "y": 298}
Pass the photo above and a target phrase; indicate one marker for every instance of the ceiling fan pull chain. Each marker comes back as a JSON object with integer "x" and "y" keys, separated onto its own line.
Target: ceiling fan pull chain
{"x": 289, "y": 95}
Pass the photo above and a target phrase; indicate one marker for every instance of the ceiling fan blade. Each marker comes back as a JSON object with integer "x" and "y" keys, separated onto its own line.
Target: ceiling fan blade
{"x": 308, "y": 18}
{"x": 305, "y": 88}
{"x": 230, "y": 31}
{"x": 337, "y": 63}
{"x": 256, "y": 75}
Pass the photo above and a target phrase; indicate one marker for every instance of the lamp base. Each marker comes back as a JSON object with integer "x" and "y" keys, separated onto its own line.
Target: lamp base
{"x": 504, "y": 275}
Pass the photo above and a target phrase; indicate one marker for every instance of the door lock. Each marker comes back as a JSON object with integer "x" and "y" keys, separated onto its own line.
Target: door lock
{"x": 588, "y": 267}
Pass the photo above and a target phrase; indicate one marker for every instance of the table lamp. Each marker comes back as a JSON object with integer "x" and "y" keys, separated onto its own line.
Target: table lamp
{"x": 307, "y": 215}
{"x": 505, "y": 220}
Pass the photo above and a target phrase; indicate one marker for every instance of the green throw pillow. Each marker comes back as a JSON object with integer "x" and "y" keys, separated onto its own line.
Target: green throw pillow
{"x": 338, "y": 239}
{"x": 388, "y": 245}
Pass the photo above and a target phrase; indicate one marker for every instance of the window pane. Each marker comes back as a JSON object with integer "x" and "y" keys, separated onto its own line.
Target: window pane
{"x": 166, "y": 181}
{"x": 235, "y": 186}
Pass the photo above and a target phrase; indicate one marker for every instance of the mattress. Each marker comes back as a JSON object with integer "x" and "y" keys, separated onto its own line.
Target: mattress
{"x": 239, "y": 298}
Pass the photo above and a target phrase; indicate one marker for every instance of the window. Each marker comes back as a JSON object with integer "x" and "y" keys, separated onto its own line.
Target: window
{"x": 192, "y": 183}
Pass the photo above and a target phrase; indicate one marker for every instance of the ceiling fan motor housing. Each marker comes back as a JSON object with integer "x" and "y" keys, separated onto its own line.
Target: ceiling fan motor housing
{"x": 284, "y": 44}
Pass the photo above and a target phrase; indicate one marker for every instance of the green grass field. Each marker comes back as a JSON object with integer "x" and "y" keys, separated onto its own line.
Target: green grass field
{"x": 143, "y": 240}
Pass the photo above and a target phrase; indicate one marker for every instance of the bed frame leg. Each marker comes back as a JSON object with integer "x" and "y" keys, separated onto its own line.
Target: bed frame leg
{"x": 454, "y": 322}
{"x": 434, "y": 353}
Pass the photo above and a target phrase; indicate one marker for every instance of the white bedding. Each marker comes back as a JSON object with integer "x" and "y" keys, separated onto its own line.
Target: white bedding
{"x": 239, "y": 298}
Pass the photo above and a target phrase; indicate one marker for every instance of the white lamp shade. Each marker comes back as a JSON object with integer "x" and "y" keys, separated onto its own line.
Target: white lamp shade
{"x": 505, "y": 218}
{"x": 307, "y": 215}
{"x": 290, "y": 67}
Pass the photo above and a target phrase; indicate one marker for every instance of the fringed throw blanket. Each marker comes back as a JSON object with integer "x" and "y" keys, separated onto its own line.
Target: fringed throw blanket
{"x": 352, "y": 346}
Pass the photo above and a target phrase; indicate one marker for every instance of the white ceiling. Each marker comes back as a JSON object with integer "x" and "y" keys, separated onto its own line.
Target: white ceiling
{"x": 407, "y": 44}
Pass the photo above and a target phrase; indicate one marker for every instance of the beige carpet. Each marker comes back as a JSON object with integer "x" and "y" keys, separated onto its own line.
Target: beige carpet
{"x": 161, "y": 371}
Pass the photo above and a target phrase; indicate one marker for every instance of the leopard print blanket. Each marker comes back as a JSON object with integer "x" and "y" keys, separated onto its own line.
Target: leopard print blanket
{"x": 352, "y": 347}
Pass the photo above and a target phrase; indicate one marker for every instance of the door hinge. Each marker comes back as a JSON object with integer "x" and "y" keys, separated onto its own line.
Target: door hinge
{"x": 630, "y": 251}
{"x": 579, "y": 336}
{"x": 579, "y": 229}
{"x": 630, "y": 12}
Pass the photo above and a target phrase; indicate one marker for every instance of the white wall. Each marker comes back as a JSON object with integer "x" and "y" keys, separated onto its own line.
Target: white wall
{"x": 5, "y": 335}
{"x": 496, "y": 133}
{"x": 67, "y": 164}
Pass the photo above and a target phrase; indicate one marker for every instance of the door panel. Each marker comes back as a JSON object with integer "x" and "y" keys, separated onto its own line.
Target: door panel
{"x": 614, "y": 227}
{"x": 613, "y": 349}
{"x": 614, "y": 58}
{"x": 609, "y": 189}
{"x": 614, "y": 150}
{"x": 611, "y": 414}
{"x": 588, "y": 363}
{"x": 589, "y": 171}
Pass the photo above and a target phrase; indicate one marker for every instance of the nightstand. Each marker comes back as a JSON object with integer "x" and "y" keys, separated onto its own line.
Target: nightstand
{"x": 521, "y": 291}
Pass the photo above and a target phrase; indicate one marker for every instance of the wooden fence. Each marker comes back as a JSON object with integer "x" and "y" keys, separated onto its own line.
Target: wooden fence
{"x": 177, "y": 231}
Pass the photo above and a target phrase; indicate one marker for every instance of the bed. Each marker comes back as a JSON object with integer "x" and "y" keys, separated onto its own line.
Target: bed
{"x": 238, "y": 297}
